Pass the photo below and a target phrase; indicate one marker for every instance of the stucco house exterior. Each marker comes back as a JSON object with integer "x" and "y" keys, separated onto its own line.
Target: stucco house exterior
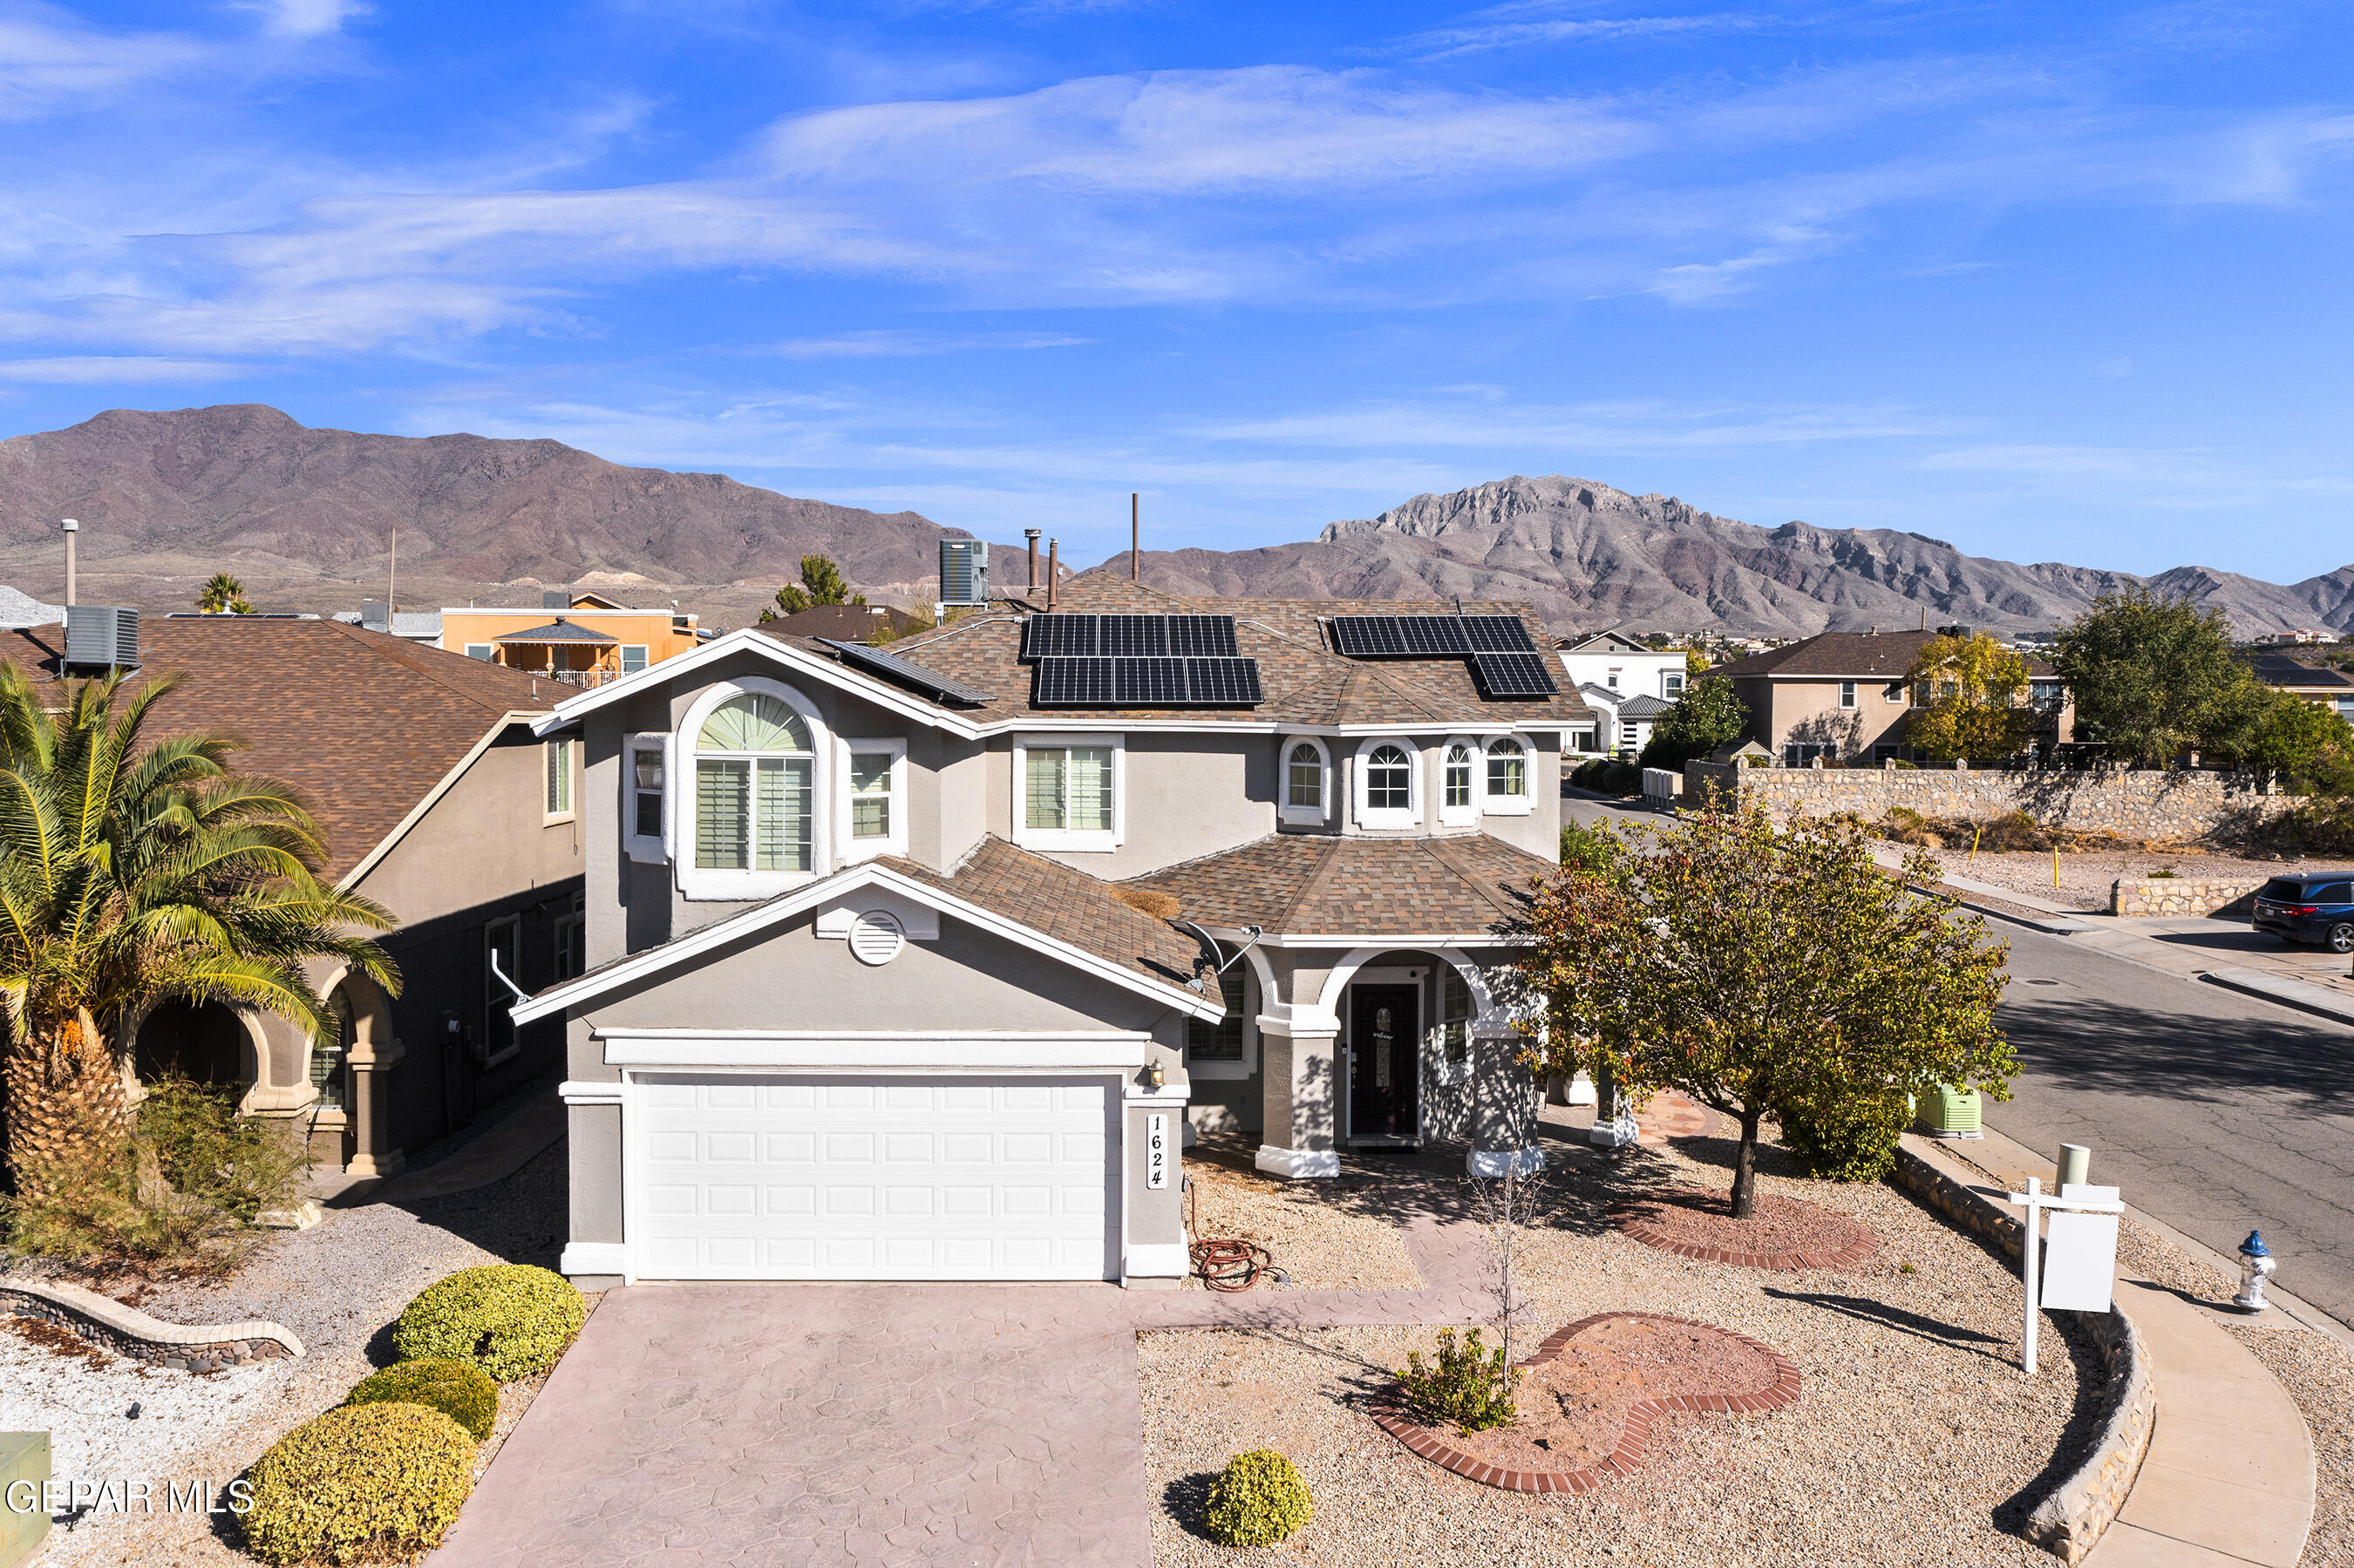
{"x": 2324, "y": 685}
{"x": 440, "y": 803}
{"x": 915, "y": 963}
{"x": 578, "y": 639}
{"x": 1843, "y": 696}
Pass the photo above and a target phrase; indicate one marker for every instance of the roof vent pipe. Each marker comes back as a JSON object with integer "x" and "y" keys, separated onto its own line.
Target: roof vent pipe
{"x": 1032, "y": 534}
{"x": 1053, "y": 569}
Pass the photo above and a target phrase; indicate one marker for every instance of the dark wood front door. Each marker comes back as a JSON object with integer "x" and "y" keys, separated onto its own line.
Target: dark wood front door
{"x": 1384, "y": 1061}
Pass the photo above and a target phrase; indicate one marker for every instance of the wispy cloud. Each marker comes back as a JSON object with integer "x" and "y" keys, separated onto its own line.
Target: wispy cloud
{"x": 305, "y": 18}
{"x": 1527, "y": 26}
{"x": 1602, "y": 427}
{"x": 94, "y": 370}
{"x": 901, "y": 343}
{"x": 49, "y": 59}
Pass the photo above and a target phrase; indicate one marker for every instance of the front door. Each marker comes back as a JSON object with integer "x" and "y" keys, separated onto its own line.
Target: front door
{"x": 1384, "y": 1061}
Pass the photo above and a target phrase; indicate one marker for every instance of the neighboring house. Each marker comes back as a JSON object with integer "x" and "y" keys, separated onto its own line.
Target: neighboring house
{"x": 845, "y": 623}
{"x": 1614, "y": 662}
{"x": 1624, "y": 722}
{"x": 422, "y": 625}
{"x": 575, "y": 639}
{"x": 2318, "y": 683}
{"x": 1843, "y": 696}
{"x": 440, "y": 804}
{"x": 885, "y": 980}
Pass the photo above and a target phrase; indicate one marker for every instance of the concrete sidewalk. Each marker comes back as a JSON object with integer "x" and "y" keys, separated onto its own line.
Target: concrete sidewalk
{"x": 2229, "y": 1476}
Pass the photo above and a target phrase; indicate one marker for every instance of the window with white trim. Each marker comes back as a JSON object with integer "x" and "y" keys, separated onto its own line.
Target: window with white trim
{"x": 558, "y": 769}
{"x": 645, "y": 774}
{"x": 1847, "y": 693}
{"x": 1508, "y": 778}
{"x": 1385, "y": 787}
{"x": 633, "y": 657}
{"x": 502, "y": 944}
{"x": 1222, "y": 1041}
{"x": 571, "y": 936}
{"x": 1067, "y": 791}
{"x": 872, "y": 817}
{"x": 1459, "y": 782}
{"x": 1454, "y": 1026}
{"x": 1672, "y": 684}
{"x": 482, "y": 651}
{"x": 1307, "y": 777}
{"x": 754, "y": 788}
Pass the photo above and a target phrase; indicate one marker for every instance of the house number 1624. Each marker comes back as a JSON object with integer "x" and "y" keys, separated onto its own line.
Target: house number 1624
{"x": 1156, "y": 1151}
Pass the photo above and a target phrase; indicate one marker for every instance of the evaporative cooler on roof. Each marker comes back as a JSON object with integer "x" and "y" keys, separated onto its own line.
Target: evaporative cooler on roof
{"x": 964, "y": 573}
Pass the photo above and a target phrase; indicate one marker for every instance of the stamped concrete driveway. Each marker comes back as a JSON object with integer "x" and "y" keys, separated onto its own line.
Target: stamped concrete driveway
{"x": 768, "y": 1425}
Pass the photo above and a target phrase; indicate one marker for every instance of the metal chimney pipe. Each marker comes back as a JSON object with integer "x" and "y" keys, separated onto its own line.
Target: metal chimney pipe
{"x": 1032, "y": 534}
{"x": 1053, "y": 570}
{"x": 71, "y": 528}
{"x": 1135, "y": 540}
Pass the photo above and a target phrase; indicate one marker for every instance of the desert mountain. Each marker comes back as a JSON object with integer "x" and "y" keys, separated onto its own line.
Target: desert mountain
{"x": 304, "y": 516}
{"x": 1590, "y": 556}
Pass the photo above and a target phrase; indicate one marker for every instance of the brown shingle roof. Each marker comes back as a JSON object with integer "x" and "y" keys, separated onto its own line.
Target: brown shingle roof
{"x": 849, "y": 623}
{"x": 1297, "y": 883}
{"x": 1850, "y": 655}
{"x": 1067, "y": 905}
{"x": 362, "y": 722}
{"x": 1304, "y": 681}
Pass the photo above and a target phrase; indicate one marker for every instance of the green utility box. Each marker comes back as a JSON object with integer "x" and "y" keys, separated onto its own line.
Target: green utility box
{"x": 1948, "y": 1112}
{"x": 24, "y": 1456}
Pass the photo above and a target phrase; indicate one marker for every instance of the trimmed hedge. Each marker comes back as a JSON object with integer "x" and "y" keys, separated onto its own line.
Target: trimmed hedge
{"x": 1846, "y": 1139}
{"x": 509, "y": 1318}
{"x": 459, "y": 1389}
{"x": 1256, "y": 1500}
{"x": 363, "y": 1483}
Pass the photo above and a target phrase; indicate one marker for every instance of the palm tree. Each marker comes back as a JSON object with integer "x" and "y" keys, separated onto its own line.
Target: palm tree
{"x": 224, "y": 595}
{"x": 133, "y": 872}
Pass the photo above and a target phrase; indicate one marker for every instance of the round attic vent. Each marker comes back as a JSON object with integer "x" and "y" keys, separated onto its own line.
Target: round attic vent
{"x": 876, "y": 937}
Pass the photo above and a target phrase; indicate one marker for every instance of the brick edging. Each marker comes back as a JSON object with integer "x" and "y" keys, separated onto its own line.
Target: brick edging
{"x": 1640, "y": 1415}
{"x": 127, "y": 1331}
{"x": 1628, "y": 1224}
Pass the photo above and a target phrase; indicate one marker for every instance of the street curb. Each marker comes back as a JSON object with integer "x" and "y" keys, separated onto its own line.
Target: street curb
{"x": 2287, "y": 993}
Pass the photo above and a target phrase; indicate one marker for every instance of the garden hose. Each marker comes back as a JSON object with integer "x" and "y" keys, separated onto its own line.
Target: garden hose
{"x": 1225, "y": 1265}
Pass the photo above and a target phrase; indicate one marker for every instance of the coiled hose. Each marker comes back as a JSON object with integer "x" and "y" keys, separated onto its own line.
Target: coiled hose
{"x": 1226, "y": 1265}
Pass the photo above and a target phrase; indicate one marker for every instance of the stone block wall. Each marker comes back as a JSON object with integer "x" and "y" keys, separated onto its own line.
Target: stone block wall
{"x": 2133, "y": 804}
{"x": 2183, "y": 895}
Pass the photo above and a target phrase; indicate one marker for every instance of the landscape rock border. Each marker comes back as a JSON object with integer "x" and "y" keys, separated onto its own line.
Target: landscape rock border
{"x": 1631, "y": 1224}
{"x": 1640, "y": 1416}
{"x": 127, "y": 1331}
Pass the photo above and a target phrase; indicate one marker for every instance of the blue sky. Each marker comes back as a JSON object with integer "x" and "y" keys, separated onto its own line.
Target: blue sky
{"x": 2052, "y": 282}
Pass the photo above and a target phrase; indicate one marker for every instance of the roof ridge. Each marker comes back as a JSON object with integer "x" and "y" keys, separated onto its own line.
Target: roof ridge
{"x": 399, "y": 651}
{"x": 1199, "y": 859}
{"x": 1469, "y": 876}
{"x": 1327, "y": 867}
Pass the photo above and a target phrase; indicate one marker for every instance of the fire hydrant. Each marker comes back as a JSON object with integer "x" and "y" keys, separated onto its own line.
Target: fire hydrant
{"x": 2256, "y": 1265}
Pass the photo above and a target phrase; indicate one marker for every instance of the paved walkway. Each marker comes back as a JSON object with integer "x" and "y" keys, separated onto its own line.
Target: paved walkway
{"x": 901, "y": 1424}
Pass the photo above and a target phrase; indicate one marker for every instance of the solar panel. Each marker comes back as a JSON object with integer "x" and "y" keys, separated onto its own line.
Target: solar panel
{"x": 1132, "y": 636}
{"x": 899, "y": 669}
{"x": 1514, "y": 674}
{"x": 1202, "y": 636}
{"x": 1368, "y": 636}
{"x": 1059, "y": 637}
{"x": 1220, "y": 682}
{"x": 1499, "y": 634}
{"x": 1072, "y": 684}
{"x": 1433, "y": 636}
{"x": 1149, "y": 683}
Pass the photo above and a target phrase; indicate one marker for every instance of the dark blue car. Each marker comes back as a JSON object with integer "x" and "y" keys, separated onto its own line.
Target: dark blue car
{"x": 2310, "y": 906}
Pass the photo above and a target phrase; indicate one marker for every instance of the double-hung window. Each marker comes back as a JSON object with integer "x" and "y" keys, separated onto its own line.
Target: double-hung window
{"x": 1847, "y": 693}
{"x": 1067, "y": 791}
{"x": 1306, "y": 771}
{"x": 644, "y": 779}
{"x": 559, "y": 794}
{"x": 1454, "y": 1027}
{"x": 485, "y": 651}
{"x": 1672, "y": 684}
{"x": 755, "y": 789}
{"x": 633, "y": 658}
{"x": 1221, "y": 1041}
{"x": 1508, "y": 778}
{"x": 1458, "y": 801}
{"x": 502, "y": 959}
{"x": 872, "y": 819}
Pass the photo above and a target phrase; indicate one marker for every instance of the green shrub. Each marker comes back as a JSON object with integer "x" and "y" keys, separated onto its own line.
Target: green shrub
{"x": 239, "y": 1165}
{"x": 1467, "y": 1386}
{"x": 1256, "y": 1500}
{"x": 459, "y": 1389}
{"x": 367, "y": 1483}
{"x": 1608, "y": 776}
{"x": 1846, "y": 1137}
{"x": 105, "y": 1205}
{"x": 508, "y": 1319}
{"x": 1903, "y": 825}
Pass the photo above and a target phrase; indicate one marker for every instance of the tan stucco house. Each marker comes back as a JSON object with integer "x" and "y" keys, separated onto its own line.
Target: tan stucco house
{"x": 440, "y": 803}
{"x": 1843, "y": 696}
{"x": 2324, "y": 685}
{"x": 918, "y": 963}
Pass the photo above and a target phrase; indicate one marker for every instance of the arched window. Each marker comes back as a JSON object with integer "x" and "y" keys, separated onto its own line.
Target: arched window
{"x": 1386, "y": 796}
{"x": 1306, "y": 776}
{"x": 754, "y": 788}
{"x": 1508, "y": 778}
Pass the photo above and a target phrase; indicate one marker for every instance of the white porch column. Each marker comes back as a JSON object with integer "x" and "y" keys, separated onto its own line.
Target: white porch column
{"x": 1297, "y": 1063}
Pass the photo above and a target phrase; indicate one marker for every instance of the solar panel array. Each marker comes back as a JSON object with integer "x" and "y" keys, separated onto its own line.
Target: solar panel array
{"x": 1429, "y": 636}
{"x": 1098, "y": 681}
{"x": 1137, "y": 661}
{"x": 899, "y": 669}
{"x": 1504, "y": 657}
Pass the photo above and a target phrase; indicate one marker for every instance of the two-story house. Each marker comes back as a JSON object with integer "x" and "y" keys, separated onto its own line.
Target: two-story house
{"x": 2323, "y": 685}
{"x": 914, "y": 963}
{"x": 1848, "y": 696}
{"x": 1627, "y": 684}
{"x": 574, "y": 639}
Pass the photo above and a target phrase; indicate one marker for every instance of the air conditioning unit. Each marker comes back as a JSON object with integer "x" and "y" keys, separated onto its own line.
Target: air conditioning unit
{"x": 101, "y": 636}
{"x": 964, "y": 572}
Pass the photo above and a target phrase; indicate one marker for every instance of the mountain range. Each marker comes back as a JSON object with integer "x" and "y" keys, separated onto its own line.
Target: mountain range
{"x": 307, "y": 518}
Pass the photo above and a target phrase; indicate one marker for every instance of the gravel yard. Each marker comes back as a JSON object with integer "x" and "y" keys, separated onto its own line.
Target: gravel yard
{"x": 338, "y": 1286}
{"x": 1318, "y": 1244}
{"x": 1914, "y": 1439}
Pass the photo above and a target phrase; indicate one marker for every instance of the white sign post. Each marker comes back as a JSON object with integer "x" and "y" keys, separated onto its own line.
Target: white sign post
{"x": 2076, "y": 1274}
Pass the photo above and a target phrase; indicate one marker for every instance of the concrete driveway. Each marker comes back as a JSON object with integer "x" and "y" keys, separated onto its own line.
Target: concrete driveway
{"x": 810, "y": 1424}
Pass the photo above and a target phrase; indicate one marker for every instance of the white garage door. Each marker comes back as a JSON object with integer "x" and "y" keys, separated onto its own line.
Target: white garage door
{"x": 745, "y": 1178}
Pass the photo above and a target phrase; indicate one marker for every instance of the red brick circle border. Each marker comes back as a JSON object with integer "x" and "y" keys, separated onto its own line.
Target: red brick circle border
{"x": 1640, "y": 1415}
{"x": 1863, "y": 1246}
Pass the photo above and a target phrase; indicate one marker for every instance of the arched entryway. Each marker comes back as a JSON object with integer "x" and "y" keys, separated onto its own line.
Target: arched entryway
{"x": 203, "y": 1042}
{"x": 347, "y": 1074}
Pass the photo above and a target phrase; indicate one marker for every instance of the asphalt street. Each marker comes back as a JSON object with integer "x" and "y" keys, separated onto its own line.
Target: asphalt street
{"x": 2213, "y": 1111}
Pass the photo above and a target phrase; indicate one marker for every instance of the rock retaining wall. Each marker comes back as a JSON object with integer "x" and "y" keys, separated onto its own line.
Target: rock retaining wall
{"x": 127, "y": 1331}
{"x": 2133, "y": 804}
{"x": 2069, "y": 1523}
{"x": 2183, "y": 895}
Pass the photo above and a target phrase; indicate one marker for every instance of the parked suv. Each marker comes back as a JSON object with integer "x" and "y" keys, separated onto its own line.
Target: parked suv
{"x": 2311, "y": 907}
